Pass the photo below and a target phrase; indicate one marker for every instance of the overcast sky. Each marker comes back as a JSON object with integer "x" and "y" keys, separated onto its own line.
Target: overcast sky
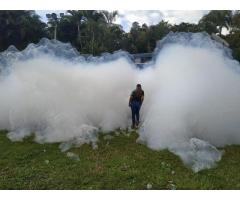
{"x": 150, "y": 17}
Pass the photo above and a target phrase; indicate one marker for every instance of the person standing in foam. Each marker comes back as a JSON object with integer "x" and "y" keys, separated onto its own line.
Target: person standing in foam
{"x": 135, "y": 102}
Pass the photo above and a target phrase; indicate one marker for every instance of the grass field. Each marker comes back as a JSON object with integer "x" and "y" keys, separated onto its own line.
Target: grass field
{"x": 119, "y": 163}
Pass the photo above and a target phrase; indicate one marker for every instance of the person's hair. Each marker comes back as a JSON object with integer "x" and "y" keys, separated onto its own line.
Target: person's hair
{"x": 139, "y": 85}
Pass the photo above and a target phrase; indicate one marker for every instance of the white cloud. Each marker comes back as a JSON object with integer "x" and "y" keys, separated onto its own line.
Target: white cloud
{"x": 127, "y": 17}
{"x": 151, "y": 17}
{"x": 42, "y": 13}
{"x": 178, "y": 16}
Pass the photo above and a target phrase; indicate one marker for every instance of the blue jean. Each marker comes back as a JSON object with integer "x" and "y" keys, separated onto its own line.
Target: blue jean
{"x": 135, "y": 107}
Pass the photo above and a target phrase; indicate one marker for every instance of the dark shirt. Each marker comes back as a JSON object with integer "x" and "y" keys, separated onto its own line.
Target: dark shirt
{"x": 137, "y": 95}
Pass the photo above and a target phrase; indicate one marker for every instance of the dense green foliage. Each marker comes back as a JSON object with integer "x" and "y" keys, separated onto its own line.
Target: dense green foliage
{"x": 19, "y": 28}
{"x": 119, "y": 163}
{"x": 93, "y": 32}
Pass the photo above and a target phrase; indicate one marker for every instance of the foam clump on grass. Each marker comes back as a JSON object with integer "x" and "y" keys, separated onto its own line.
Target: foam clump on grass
{"x": 18, "y": 135}
{"x": 73, "y": 156}
{"x": 90, "y": 136}
{"x": 149, "y": 186}
{"x": 108, "y": 137}
{"x": 198, "y": 154}
{"x": 46, "y": 161}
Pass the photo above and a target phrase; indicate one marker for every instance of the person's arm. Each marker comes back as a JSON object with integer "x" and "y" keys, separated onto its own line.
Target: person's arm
{"x": 142, "y": 97}
{"x": 130, "y": 99}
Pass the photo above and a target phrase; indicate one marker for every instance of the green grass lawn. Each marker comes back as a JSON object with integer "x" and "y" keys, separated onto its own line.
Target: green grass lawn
{"x": 119, "y": 163}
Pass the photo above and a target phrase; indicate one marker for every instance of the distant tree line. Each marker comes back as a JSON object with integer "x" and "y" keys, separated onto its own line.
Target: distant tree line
{"x": 94, "y": 31}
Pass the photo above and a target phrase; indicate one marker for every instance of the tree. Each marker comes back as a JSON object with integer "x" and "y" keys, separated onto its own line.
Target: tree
{"x": 53, "y": 21}
{"x": 235, "y": 22}
{"x": 67, "y": 31}
{"x": 216, "y": 20}
{"x": 234, "y": 41}
{"x": 78, "y": 18}
{"x": 19, "y": 28}
{"x": 157, "y": 32}
{"x": 95, "y": 26}
{"x": 186, "y": 27}
{"x": 109, "y": 16}
{"x": 94, "y": 31}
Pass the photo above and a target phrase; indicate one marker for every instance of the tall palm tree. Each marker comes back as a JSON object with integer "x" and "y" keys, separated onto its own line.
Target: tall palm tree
{"x": 94, "y": 20}
{"x": 77, "y": 17}
{"x": 53, "y": 22}
{"x": 109, "y": 16}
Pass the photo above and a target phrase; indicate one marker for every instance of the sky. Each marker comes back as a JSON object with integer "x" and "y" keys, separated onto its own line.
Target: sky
{"x": 150, "y": 17}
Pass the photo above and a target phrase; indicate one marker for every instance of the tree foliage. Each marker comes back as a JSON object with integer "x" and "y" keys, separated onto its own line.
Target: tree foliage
{"x": 94, "y": 31}
{"x": 20, "y": 28}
